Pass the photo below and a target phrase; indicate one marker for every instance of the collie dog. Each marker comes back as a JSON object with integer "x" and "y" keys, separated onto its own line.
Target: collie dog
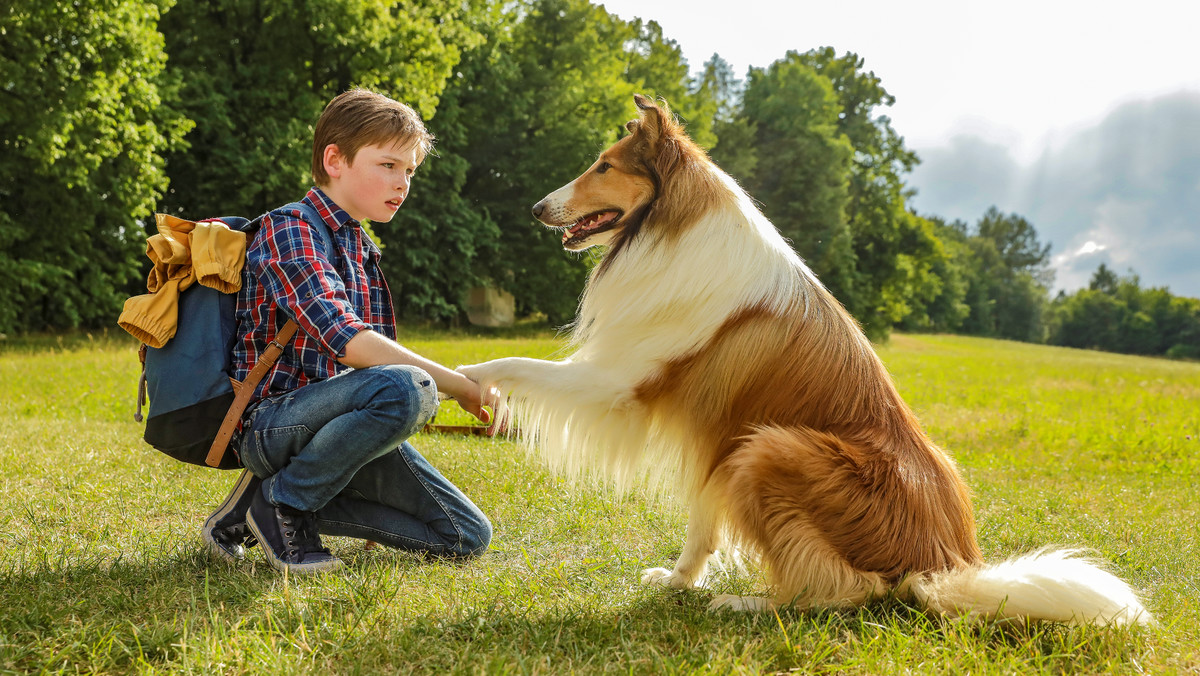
{"x": 707, "y": 353}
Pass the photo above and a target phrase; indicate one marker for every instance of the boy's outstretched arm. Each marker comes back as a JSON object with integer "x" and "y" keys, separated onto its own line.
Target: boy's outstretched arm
{"x": 369, "y": 348}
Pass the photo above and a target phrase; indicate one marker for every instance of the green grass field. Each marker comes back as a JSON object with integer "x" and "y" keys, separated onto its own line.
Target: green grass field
{"x": 101, "y": 568}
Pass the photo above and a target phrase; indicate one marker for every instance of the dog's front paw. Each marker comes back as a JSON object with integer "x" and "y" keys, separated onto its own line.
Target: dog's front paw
{"x": 497, "y": 372}
{"x": 667, "y": 578}
{"x": 740, "y": 604}
{"x": 476, "y": 372}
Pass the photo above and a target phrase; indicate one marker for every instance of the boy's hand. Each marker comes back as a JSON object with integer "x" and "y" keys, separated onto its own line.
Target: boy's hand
{"x": 477, "y": 400}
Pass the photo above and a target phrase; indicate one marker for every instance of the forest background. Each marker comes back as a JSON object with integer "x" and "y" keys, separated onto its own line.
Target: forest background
{"x": 111, "y": 110}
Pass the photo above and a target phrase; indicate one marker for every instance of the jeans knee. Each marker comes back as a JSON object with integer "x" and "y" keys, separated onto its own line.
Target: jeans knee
{"x": 476, "y": 536}
{"x": 410, "y": 391}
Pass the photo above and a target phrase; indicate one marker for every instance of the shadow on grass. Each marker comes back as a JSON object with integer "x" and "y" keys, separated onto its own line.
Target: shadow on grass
{"x": 181, "y": 610}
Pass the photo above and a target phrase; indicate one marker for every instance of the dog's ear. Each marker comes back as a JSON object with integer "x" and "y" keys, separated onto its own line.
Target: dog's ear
{"x": 652, "y": 119}
{"x": 660, "y": 142}
{"x": 643, "y": 102}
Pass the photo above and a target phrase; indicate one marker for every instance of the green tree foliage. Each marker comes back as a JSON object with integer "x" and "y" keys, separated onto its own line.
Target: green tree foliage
{"x": 551, "y": 86}
{"x": 1116, "y": 314}
{"x": 895, "y": 252}
{"x": 942, "y": 306}
{"x": 440, "y": 235}
{"x": 1012, "y": 278}
{"x": 84, "y": 129}
{"x": 995, "y": 279}
{"x": 829, "y": 172}
{"x": 800, "y": 166}
{"x": 530, "y": 93}
{"x": 257, "y": 75}
{"x": 735, "y": 150}
{"x": 655, "y": 67}
{"x": 522, "y": 96}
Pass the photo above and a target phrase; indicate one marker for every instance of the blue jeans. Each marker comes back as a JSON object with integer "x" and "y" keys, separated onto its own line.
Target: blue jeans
{"x": 337, "y": 448}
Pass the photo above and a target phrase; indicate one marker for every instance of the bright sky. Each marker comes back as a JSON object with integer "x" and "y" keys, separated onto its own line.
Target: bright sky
{"x": 1024, "y": 73}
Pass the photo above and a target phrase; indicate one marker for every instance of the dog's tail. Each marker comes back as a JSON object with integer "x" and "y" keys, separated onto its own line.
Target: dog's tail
{"x": 1059, "y": 586}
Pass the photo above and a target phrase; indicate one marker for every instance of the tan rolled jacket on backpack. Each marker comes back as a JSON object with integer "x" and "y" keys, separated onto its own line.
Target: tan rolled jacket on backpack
{"x": 183, "y": 253}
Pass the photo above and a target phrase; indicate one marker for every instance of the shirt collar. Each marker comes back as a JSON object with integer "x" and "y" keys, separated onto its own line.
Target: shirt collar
{"x": 334, "y": 215}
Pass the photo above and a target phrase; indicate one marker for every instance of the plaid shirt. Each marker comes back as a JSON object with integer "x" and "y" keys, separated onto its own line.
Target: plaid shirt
{"x": 288, "y": 274}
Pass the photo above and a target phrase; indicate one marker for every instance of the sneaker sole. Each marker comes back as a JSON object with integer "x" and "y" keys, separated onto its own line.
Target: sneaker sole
{"x": 215, "y": 550}
{"x": 283, "y": 566}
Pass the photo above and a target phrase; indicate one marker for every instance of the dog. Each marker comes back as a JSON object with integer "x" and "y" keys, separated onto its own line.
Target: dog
{"x": 706, "y": 353}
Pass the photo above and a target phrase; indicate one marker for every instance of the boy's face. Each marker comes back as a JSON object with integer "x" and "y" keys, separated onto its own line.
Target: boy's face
{"x": 373, "y": 186}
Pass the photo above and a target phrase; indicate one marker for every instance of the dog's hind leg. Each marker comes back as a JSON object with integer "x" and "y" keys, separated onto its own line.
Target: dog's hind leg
{"x": 703, "y": 539}
{"x": 779, "y": 482}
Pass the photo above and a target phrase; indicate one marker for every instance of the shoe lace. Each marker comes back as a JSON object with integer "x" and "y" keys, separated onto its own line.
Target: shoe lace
{"x": 299, "y": 530}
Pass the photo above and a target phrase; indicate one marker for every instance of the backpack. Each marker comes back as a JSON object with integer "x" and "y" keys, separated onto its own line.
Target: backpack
{"x": 195, "y": 404}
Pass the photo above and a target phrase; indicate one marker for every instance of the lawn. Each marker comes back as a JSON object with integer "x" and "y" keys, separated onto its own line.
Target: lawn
{"x": 101, "y": 568}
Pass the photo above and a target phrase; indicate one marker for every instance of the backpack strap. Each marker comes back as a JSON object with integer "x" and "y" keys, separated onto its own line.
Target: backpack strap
{"x": 245, "y": 389}
{"x": 314, "y": 219}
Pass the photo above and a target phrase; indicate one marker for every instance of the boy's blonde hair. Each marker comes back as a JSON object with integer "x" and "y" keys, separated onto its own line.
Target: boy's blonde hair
{"x": 360, "y": 118}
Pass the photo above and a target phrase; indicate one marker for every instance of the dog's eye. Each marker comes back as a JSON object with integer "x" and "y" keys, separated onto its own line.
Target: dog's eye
{"x": 604, "y": 166}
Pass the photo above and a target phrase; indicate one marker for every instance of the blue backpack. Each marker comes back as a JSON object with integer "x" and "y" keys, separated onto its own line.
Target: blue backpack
{"x": 195, "y": 404}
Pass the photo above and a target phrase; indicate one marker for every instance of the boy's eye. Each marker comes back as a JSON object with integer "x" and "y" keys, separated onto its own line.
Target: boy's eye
{"x": 388, "y": 165}
{"x": 604, "y": 166}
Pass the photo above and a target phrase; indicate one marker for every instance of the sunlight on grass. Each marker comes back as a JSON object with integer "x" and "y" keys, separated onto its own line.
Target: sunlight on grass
{"x": 101, "y": 568}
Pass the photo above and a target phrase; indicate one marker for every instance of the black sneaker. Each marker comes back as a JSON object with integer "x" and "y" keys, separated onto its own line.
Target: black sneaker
{"x": 225, "y": 534}
{"x": 289, "y": 537}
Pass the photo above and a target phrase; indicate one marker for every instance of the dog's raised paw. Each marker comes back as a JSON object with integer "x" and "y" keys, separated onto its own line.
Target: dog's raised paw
{"x": 472, "y": 371}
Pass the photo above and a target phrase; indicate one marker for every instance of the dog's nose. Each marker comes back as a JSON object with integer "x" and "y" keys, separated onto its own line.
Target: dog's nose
{"x": 539, "y": 208}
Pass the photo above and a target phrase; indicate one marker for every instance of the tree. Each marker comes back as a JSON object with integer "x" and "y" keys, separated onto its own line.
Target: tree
{"x": 1116, "y": 314}
{"x": 1087, "y": 319}
{"x": 940, "y": 303}
{"x": 1017, "y": 243}
{"x": 85, "y": 120}
{"x": 1104, "y": 280}
{"x": 807, "y": 142}
{"x": 1007, "y": 276}
{"x": 800, "y": 167}
{"x": 895, "y": 252}
{"x": 257, "y": 76}
{"x": 550, "y": 87}
{"x": 655, "y": 66}
{"x": 735, "y": 150}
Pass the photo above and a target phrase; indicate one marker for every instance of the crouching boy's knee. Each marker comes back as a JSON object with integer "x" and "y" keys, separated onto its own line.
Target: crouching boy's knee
{"x": 407, "y": 393}
{"x": 476, "y": 535}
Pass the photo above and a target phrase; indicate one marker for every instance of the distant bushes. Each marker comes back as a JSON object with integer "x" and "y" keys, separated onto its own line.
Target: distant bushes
{"x": 1116, "y": 314}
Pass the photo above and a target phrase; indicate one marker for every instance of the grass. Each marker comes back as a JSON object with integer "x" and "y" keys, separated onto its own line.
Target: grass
{"x": 101, "y": 568}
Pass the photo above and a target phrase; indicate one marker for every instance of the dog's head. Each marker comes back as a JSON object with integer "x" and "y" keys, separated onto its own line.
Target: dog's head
{"x": 608, "y": 203}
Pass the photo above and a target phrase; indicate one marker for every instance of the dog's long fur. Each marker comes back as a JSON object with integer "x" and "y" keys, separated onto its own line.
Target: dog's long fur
{"x": 705, "y": 347}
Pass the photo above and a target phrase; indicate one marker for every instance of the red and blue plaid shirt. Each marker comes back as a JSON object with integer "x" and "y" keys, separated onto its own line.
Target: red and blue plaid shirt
{"x": 331, "y": 297}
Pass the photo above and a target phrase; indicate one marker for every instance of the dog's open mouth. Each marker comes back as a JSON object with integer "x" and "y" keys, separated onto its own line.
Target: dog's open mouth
{"x": 590, "y": 225}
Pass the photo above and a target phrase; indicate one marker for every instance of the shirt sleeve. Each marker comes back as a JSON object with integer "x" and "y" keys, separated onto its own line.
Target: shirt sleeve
{"x": 298, "y": 277}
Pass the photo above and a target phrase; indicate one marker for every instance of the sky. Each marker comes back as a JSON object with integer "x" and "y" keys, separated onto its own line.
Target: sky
{"x": 1083, "y": 117}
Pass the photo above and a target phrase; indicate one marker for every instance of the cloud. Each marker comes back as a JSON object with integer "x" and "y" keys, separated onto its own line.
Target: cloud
{"x": 1125, "y": 192}
{"x": 961, "y": 181}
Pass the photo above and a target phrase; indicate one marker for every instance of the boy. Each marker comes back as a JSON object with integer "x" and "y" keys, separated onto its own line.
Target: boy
{"x": 324, "y": 439}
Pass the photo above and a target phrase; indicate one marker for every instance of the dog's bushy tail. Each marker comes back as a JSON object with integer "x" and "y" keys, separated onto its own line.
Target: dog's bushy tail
{"x": 1059, "y": 586}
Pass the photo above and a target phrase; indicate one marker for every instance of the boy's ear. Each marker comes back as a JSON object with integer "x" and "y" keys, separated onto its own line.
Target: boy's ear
{"x": 334, "y": 160}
